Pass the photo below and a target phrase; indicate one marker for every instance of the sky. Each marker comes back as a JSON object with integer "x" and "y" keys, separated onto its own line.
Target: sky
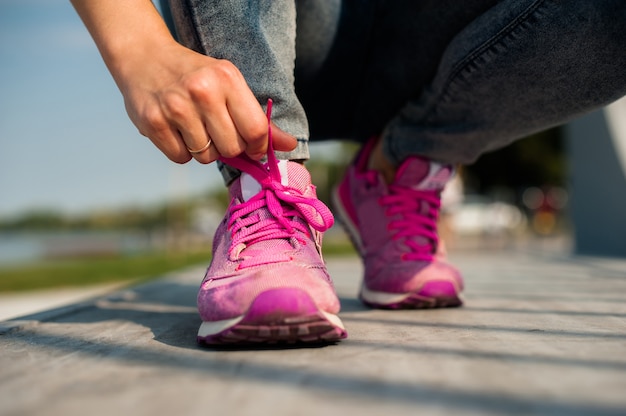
{"x": 66, "y": 143}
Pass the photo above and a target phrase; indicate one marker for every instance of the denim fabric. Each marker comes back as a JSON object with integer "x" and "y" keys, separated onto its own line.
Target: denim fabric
{"x": 444, "y": 79}
{"x": 521, "y": 68}
{"x": 258, "y": 36}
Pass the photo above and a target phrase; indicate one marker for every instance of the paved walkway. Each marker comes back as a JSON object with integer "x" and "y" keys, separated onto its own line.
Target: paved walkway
{"x": 541, "y": 333}
{"x": 14, "y": 305}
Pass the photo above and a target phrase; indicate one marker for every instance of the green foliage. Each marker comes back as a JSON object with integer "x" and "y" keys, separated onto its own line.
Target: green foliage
{"x": 326, "y": 174}
{"x": 537, "y": 160}
{"x": 137, "y": 268}
{"x": 534, "y": 161}
{"x": 36, "y": 220}
{"x": 170, "y": 214}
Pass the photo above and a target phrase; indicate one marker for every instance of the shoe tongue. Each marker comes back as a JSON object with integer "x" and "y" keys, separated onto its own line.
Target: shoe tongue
{"x": 250, "y": 186}
{"x": 293, "y": 175}
{"x": 422, "y": 174}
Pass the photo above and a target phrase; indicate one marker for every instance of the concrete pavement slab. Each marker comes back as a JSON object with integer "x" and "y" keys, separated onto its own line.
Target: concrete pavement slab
{"x": 541, "y": 333}
{"x": 16, "y": 304}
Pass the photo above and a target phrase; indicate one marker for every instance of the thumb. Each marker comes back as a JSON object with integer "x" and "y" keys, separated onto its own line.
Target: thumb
{"x": 282, "y": 141}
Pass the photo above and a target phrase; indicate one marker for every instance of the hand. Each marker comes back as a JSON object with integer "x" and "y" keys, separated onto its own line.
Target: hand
{"x": 181, "y": 99}
{"x": 176, "y": 97}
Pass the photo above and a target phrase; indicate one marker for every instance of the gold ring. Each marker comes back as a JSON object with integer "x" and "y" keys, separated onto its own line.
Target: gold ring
{"x": 195, "y": 152}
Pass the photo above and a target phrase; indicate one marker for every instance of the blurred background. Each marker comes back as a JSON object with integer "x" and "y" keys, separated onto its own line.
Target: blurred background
{"x": 85, "y": 199}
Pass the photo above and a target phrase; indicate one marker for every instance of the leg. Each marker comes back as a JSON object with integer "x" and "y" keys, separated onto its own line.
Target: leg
{"x": 384, "y": 53}
{"x": 517, "y": 68}
{"x": 522, "y": 67}
{"x": 466, "y": 81}
{"x": 361, "y": 84}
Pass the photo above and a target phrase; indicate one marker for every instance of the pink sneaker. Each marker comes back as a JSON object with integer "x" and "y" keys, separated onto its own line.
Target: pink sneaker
{"x": 267, "y": 281}
{"x": 395, "y": 230}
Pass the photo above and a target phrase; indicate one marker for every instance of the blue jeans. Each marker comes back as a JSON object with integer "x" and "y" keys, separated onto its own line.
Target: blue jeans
{"x": 444, "y": 79}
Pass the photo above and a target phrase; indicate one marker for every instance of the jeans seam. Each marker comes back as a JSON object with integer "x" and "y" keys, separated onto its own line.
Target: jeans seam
{"x": 472, "y": 57}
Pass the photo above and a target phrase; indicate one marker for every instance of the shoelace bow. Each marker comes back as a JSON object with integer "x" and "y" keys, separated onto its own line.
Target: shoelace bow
{"x": 414, "y": 224}
{"x": 285, "y": 204}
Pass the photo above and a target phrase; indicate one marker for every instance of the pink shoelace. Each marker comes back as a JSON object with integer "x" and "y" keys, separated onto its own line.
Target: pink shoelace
{"x": 417, "y": 226}
{"x": 284, "y": 204}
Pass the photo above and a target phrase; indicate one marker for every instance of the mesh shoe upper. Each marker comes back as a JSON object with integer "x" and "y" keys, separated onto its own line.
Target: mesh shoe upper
{"x": 395, "y": 226}
{"x": 269, "y": 239}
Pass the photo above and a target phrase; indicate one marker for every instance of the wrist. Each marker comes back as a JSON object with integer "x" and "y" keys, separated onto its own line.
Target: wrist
{"x": 124, "y": 31}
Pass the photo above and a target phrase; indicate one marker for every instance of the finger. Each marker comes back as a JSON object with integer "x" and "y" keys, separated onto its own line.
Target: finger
{"x": 202, "y": 147}
{"x": 170, "y": 143}
{"x": 152, "y": 123}
{"x": 204, "y": 155}
{"x": 226, "y": 139}
{"x": 189, "y": 127}
{"x": 281, "y": 140}
{"x": 250, "y": 121}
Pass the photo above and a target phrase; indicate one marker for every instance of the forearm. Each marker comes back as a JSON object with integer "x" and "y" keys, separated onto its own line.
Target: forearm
{"x": 178, "y": 98}
{"x": 124, "y": 31}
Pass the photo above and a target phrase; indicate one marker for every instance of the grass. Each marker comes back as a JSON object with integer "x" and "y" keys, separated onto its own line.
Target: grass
{"x": 90, "y": 271}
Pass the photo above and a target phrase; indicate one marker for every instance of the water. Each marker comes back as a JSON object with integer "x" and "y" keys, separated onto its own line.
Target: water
{"x": 28, "y": 247}
{"x": 18, "y": 248}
